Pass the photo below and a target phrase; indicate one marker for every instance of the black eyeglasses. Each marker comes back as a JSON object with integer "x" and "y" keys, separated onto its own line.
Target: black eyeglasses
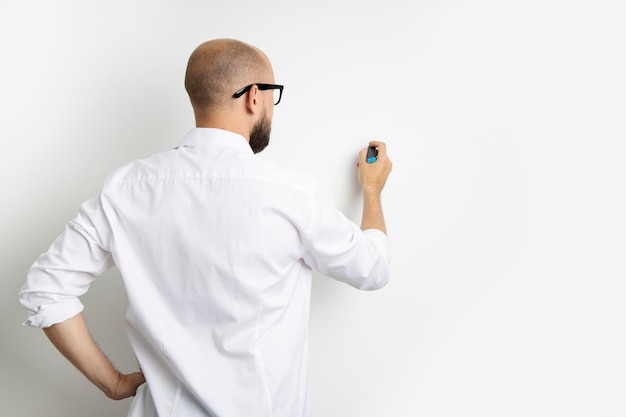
{"x": 277, "y": 90}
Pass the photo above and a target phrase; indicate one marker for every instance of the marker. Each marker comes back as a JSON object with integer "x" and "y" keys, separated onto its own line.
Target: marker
{"x": 372, "y": 153}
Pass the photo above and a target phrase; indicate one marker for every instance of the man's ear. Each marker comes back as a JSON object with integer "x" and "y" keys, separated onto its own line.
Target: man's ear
{"x": 253, "y": 100}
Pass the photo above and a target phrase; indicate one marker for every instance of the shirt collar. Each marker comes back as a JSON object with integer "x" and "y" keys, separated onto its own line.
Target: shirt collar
{"x": 202, "y": 136}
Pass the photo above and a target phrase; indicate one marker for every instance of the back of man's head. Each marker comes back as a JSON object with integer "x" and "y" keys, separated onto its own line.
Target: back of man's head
{"x": 218, "y": 68}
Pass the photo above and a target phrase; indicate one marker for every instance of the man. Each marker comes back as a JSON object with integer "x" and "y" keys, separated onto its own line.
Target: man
{"x": 215, "y": 247}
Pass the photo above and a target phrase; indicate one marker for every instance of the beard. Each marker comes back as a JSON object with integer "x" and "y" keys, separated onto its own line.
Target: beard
{"x": 260, "y": 135}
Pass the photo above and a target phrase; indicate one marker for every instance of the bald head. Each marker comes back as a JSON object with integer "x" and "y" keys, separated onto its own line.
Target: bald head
{"x": 219, "y": 67}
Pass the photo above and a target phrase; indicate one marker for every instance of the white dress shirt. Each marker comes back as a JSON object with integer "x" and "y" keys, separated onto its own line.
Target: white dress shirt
{"x": 215, "y": 247}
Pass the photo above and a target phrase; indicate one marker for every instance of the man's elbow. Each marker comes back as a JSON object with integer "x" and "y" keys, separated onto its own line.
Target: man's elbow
{"x": 374, "y": 285}
{"x": 376, "y": 279}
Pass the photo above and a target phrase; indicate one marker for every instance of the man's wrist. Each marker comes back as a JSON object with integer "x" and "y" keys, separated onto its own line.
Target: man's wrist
{"x": 110, "y": 387}
{"x": 370, "y": 192}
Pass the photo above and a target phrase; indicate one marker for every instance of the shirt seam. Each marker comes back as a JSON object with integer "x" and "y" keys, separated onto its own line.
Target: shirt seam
{"x": 259, "y": 359}
{"x": 175, "y": 177}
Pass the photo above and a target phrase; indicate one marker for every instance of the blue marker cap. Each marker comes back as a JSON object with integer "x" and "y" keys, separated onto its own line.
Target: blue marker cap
{"x": 372, "y": 153}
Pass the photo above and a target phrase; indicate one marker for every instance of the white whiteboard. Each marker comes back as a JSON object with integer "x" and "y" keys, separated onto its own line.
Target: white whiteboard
{"x": 505, "y": 207}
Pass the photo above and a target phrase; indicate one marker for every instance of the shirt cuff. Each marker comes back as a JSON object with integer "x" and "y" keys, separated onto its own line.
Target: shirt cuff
{"x": 50, "y": 314}
{"x": 380, "y": 239}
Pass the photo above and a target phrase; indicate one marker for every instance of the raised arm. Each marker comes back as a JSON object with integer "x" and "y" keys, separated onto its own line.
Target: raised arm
{"x": 373, "y": 177}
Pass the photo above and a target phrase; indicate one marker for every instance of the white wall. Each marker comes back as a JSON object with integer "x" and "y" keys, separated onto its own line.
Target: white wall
{"x": 504, "y": 120}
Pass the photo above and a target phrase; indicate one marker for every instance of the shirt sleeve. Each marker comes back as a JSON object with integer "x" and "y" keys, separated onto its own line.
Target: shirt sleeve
{"x": 61, "y": 275}
{"x": 338, "y": 248}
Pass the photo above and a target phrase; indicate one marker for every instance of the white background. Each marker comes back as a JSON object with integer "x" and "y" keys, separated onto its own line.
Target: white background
{"x": 504, "y": 119}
